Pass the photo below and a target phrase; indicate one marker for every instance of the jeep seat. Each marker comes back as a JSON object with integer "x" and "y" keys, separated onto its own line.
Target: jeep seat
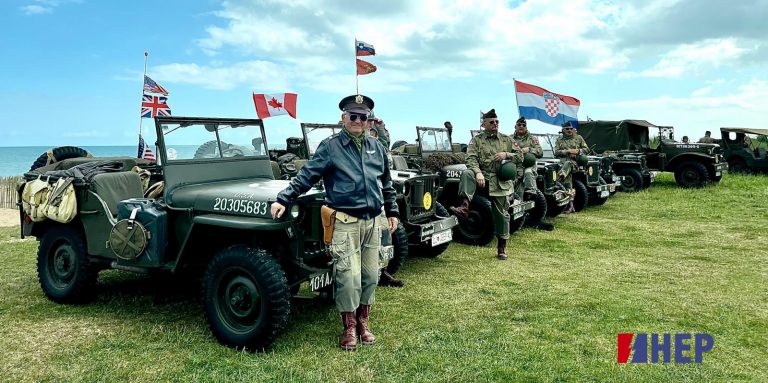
{"x": 275, "y": 169}
{"x": 411, "y": 149}
{"x": 115, "y": 187}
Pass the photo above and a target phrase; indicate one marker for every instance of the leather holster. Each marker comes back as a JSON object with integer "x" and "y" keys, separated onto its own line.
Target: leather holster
{"x": 328, "y": 216}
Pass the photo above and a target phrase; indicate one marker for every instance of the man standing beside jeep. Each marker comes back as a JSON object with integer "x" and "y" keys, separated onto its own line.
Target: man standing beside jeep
{"x": 485, "y": 155}
{"x": 355, "y": 172}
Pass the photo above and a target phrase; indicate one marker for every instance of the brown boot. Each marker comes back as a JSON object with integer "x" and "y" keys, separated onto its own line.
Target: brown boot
{"x": 366, "y": 336}
{"x": 463, "y": 209}
{"x": 348, "y": 341}
{"x": 501, "y": 249}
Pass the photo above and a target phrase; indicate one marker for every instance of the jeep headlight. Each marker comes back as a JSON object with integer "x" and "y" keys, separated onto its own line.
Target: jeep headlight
{"x": 295, "y": 211}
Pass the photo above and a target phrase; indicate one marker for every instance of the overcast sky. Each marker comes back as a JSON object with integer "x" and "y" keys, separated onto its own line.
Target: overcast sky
{"x": 72, "y": 69}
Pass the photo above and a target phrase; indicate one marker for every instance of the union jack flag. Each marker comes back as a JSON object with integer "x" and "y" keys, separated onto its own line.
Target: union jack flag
{"x": 144, "y": 151}
{"x": 153, "y": 106}
{"x": 152, "y": 87}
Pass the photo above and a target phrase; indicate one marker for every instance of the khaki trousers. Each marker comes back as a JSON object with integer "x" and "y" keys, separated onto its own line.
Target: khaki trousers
{"x": 355, "y": 251}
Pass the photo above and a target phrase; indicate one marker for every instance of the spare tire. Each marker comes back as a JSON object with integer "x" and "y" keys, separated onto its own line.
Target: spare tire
{"x": 398, "y": 144}
{"x": 59, "y": 154}
{"x": 209, "y": 149}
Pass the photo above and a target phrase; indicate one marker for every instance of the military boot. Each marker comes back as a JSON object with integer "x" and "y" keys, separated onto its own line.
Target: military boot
{"x": 463, "y": 209}
{"x": 365, "y": 334}
{"x": 501, "y": 249}
{"x": 348, "y": 341}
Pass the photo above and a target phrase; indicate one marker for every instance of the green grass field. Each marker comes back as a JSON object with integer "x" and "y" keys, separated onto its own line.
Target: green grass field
{"x": 665, "y": 260}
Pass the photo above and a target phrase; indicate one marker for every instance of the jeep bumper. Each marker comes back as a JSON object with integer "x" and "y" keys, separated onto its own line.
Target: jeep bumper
{"x": 603, "y": 191}
{"x": 434, "y": 231}
{"x": 519, "y": 208}
{"x": 720, "y": 168}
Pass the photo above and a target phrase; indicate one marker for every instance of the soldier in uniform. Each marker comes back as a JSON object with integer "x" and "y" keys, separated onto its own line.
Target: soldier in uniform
{"x": 527, "y": 144}
{"x": 707, "y": 139}
{"x": 567, "y": 147}
{"x": 485, "y": 153}
{"x": 355, "y": 171}
{"x": 685, "y": 139}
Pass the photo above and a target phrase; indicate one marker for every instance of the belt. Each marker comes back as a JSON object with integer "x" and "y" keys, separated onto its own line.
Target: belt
{"x": 346, "y": 218}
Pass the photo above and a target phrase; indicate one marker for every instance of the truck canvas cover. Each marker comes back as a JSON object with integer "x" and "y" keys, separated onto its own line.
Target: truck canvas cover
{"x": 605, "y": 136}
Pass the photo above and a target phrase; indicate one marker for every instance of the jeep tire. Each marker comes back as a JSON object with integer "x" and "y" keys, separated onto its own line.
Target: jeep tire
{"x": 691, "y": 174}
{"x": 246, "y": 298}
{"x": 737, "y": 165}
{"x": 581, "y": 199}
{"x": 59, "y": 154}
{"x": 400, "y": 249}
{"x": 64, "y": 269}
{"x": 595, "y": 199}
{"x": 477, "y": 229}
{"x": 633, "y": 180}
{"x": 539, "y": 210}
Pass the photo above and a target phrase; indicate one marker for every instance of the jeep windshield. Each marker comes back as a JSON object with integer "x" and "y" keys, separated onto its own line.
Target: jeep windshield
{"x": 434, "y": 139}
{"x": 547, "y": 142}
{"x": 211, "y": 139}
{"x": 316, "y": 133}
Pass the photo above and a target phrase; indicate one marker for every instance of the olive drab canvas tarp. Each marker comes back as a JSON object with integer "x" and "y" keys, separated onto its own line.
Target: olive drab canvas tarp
{"x": 602, "y": 136}
{"x": 763, "y": 132}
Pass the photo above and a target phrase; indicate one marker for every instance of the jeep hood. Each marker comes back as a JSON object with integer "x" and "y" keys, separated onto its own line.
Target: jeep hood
{"x": 240, "y": 197}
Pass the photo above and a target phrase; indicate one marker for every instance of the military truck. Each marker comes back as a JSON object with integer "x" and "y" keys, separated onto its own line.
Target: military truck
{"x": 211, "y": 219}
{"x": 434, "y": 153}
{"x": 694, "y": 165}
{"x": 588, "y": 184}
{"x": 425, "y": 224}
{"x": 741, "y": 151}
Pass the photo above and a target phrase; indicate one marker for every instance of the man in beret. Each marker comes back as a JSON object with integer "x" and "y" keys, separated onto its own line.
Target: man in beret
{"x": 485, "y": 153}
{"x": 355, "y": 171}
{"x": 567, "y": 147}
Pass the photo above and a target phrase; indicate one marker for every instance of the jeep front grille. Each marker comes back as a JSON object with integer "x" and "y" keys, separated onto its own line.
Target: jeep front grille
{"x": 415, "y": 191}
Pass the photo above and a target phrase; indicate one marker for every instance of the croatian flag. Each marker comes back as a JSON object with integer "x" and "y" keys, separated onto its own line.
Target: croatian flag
{"x": 540, "y": 104}
{"x": 270, "y": 105}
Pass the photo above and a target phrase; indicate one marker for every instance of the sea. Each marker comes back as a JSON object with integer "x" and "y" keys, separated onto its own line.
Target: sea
{"x": 15, "y": 161}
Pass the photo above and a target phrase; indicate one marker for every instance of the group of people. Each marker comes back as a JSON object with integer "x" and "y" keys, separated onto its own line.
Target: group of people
{"x": 354, "y": 167}
{"x": 707, "y": 139}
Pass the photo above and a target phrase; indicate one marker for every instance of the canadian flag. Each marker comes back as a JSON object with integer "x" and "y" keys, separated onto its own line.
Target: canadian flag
{"x": 268, "y": 105}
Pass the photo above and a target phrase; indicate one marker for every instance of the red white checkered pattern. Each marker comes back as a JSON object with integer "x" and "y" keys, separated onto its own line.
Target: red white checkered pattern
{"x": 551, "y": 106}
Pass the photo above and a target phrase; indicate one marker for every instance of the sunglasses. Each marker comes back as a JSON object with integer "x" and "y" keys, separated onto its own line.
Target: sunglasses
{"x": 521, "y": 125}
{"x": 493, "y": 121}
{"x": 354, "y": 116}
{"x": 567, "y": 128}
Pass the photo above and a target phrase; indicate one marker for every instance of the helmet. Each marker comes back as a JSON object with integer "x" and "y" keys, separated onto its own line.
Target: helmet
{"x": 529, "y": 160}
{"x": 582, "y": 160}
{"x": 507, "y": 171}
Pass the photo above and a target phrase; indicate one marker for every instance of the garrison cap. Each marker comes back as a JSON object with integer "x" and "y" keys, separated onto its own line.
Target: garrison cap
{"x": 521, "y": 120}
{"x": 356, "y": 103}
{"x": 568, "y": 123}
{"x": 491, "y": 114}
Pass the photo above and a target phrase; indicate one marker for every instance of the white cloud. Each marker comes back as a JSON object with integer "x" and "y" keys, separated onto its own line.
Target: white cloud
{"x": 693, "y": 59}
{"x": 35, "y": 9}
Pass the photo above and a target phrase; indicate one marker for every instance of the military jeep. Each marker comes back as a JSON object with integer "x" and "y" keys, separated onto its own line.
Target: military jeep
{"x": 694, "y": 165}
{"x": 425, "y": 225}
{"x": 212, "y": 217}
{"x": 741, "y": 151}
{"x": 436, "y": 155}
{"x": 590, "y": 188}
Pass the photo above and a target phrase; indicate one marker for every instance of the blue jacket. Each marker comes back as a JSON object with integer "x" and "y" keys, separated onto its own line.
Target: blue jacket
{"x": 356, "y": 183}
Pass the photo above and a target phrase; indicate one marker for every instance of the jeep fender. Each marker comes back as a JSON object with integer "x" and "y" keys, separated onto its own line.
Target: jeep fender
{"x": 674, "y": 162}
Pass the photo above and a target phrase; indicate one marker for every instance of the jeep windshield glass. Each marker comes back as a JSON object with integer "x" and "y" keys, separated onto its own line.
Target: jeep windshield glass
{"x": 211, "y": 140}
{"x": 434, "y": 140}
{"x": 316, "y": 133}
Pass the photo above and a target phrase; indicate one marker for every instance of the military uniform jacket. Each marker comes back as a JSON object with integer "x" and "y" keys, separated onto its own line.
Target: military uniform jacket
{"x": 480, "y": 152}
{"x": 356, "y": 182}
{"x": 529, "y": 141}
{"x": 564, "y": 143}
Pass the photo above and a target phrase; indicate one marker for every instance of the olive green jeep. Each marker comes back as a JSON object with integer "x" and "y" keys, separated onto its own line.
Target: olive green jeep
{"x": 742, "y": 152}
{"x": 212, "y": 216}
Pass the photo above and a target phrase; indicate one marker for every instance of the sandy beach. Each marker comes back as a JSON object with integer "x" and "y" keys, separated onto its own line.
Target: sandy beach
{"x": 9, "y": 217}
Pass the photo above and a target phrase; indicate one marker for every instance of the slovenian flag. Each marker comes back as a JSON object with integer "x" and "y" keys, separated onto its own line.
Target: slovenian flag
{"x": 364, "y": 49}
{"x": 548, "y": 107}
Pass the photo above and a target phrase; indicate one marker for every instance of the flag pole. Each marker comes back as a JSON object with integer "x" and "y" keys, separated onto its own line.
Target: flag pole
{"x": 517, "y": 101}
{"x": 357, "y": 87}
{"x": 141, "y": 119}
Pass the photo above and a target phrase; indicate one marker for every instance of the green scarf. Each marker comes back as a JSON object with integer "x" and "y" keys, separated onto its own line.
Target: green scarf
{"x": 358, "y": 140}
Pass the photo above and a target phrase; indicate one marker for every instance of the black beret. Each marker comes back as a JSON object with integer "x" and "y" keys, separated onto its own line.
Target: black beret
{"x": 356, "y": 103}
{"x": 491, "y": 114}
